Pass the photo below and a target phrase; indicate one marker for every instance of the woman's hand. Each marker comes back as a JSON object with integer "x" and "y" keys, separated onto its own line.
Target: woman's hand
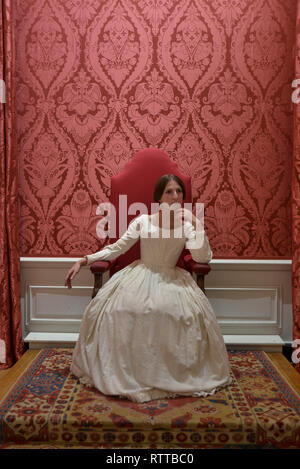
{"x": 73, "y": 272}
{"x": 187, "y": 215}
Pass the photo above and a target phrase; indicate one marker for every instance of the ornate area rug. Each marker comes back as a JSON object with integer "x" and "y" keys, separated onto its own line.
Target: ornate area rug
{"x": 49, "y": 408}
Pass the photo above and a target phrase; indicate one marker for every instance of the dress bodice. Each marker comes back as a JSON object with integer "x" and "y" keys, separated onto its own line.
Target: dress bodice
{"x": 159, "y": 246}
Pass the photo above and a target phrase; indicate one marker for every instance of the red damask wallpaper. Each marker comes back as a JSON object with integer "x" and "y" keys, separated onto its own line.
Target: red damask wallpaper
{"x": 207, "y": 81}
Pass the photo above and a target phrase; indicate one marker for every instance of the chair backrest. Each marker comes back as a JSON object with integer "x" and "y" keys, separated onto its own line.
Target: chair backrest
{"x": 137, "y": 181}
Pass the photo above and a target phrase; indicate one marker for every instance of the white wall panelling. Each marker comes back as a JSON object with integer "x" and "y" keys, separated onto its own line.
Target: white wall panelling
{"x": 252, "y": 300}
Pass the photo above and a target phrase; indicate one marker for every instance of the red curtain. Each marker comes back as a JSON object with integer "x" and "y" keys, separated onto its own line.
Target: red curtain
{"x": 11, "y": 343}
{"x": 296, "y": 202}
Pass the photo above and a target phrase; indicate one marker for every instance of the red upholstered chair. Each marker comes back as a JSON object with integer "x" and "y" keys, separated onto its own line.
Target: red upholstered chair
{"x": 137, "y": 181}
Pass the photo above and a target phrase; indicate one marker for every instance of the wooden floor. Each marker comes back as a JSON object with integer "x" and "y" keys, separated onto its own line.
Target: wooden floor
{"x": 9, "y": 377}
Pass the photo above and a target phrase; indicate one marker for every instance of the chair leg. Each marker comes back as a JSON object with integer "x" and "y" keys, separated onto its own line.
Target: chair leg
{"x": 200, "y": 282}
{"x": 98, "y": 282}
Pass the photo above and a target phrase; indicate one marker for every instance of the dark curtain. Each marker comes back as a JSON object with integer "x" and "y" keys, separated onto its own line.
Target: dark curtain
{"x": 11, "y": 343}
{"x": 296, "y": 204}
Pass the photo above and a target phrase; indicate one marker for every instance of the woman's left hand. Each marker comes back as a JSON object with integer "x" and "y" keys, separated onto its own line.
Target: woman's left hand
{"x": 187, "y": 215}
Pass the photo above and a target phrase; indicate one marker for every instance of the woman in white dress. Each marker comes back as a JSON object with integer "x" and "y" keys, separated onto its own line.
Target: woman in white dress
{"x": 150, "y": 332}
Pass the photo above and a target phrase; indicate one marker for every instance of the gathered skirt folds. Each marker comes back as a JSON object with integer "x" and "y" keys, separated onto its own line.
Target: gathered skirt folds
{"x": 151, "y": 333}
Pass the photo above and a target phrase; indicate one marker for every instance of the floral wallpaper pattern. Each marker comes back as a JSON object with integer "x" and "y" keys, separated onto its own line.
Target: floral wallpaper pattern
{"x": 207, "y": 81}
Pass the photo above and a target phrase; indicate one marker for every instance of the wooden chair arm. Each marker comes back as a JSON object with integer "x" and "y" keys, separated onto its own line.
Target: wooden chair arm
{"x": 98, "y": 268}
{"x": 200, "y": 269}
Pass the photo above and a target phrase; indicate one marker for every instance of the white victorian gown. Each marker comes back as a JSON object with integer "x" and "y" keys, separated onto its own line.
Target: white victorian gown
{"x": 150, "y": 332}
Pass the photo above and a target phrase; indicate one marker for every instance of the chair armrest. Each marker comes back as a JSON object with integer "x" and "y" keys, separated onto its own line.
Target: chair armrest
{"x": 196, "y": 267}
{"x": 99, "y": 267}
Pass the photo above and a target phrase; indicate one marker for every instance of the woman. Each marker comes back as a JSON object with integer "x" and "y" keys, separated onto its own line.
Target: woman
{"x": 150, "y": 332}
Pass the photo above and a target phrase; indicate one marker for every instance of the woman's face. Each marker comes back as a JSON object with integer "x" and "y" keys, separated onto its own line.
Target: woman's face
{"x": 172, "y": 193}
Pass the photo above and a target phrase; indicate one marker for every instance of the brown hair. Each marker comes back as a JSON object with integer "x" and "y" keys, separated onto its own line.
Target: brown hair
{"x": 161, "y": 184}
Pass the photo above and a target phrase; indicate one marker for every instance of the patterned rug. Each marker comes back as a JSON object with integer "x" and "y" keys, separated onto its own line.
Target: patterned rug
{"x": 49, "y": 408}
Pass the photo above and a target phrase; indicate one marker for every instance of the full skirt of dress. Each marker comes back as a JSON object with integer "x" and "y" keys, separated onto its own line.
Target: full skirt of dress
{"x": 151, "y": 333}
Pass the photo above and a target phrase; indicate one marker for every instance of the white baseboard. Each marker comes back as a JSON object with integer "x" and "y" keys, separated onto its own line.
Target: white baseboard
{"x": 268, "y": 343}
{"x": 39, "y": 340}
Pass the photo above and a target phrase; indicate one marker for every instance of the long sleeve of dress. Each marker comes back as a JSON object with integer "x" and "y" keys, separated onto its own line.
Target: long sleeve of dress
{"x": 112, "y": 251}
{"x": 198, "y": 244}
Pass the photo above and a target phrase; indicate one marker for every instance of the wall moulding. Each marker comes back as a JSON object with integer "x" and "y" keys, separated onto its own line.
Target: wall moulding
{"x": 252, "y": 301}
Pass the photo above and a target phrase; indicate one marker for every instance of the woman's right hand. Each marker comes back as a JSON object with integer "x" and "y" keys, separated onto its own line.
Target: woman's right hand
{"x": 72, "y": 273}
